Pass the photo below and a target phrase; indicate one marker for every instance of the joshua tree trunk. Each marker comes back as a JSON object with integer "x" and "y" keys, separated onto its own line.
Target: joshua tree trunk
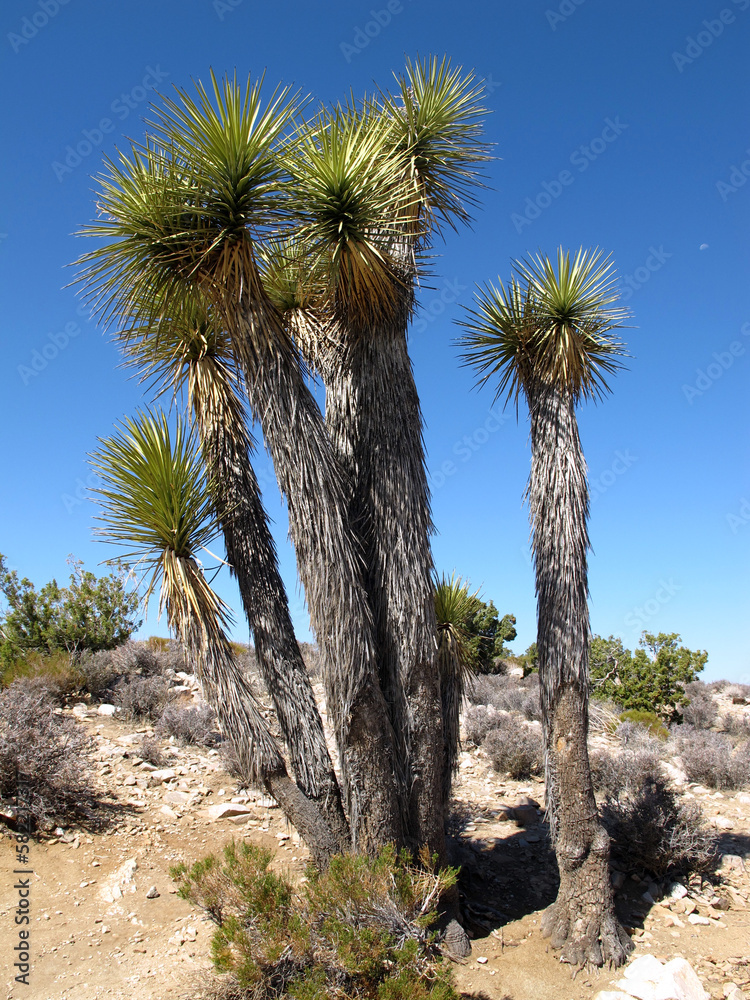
{"x": 375, "y": 423}
{"x": 582, "y": 920}
{"x": 229, "y": 694}
{"x": 252, "y": 557}
{"x": 330, "y": 565}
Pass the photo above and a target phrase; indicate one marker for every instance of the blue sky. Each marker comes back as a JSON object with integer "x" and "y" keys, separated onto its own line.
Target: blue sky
{"x": 619, "y": 125}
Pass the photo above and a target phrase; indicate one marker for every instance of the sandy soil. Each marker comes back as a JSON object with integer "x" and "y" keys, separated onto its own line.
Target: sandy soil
{"x": 95, "y": 933}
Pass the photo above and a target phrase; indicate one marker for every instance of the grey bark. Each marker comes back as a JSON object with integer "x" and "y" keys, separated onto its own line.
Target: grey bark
{"x": 582, "y": 920}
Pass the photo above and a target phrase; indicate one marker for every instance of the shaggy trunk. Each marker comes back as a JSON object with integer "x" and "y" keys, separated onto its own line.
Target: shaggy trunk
{"x": 252, "y": 556}
{"x": 375, "y": 423}
{"x": 582, "y": 920}
{"x": 229, "y": 694}
{"x": 330, "y": 566}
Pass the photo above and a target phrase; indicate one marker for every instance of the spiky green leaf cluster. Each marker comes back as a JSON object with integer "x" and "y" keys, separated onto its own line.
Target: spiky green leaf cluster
{"x": 552, "y": 324}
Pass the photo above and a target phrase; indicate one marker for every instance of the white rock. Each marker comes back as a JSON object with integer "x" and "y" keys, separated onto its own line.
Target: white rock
{"x": 744, "y": 798}
{"x": 106, "y": 710}
{"x": 696, "y": 918}
{"x": 646, "y": 967}
{"x": 482, "y": 959}
{"x": 680, "y": 982}
{"x": 153, "y": 893}
{"x": 120, "y": 881}
{"x": 612, "y": 995}
{"x": 722, "y": 823}
{"x": 81, "y": 709}
{"x": 266, "y": 802}
{"x": 228, "y": 810}
{"x": 675, "y": 890}
{"x": 169, "y": 813}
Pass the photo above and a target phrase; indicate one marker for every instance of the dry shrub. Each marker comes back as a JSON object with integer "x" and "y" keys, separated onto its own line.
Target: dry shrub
{"x": 478, "y": 721}
{"x": 196, "y": 725}
{"x": 712, "y": 760}
{"x": 141, "y": 698}
{"x": 508, "y": 694}
{"x": 736, "y": 725}
{"x": 627, "y": 769}
{"x": 311, "y": 656}
{"x": 701, "y": 710}
{"x": 515, "y": 748}
{"x": 655, "y": 830}
{"x": 361, "y": 929}
{"x": 54, "y": 675}
{"x": 44, "y": 759}
{"x": 150, "y": 751}
{"x": 739, "y": 693}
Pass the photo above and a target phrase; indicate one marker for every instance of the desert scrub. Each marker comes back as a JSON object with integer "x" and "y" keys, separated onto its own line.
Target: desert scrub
{"x": 712, "y": 760}
{"x": 701, "y": 710}
{"x": 361, "y": 929}
{"x": 195, "y": 726}
{"x": 648, "y": 720}
{"x": 479, "y": 721}
{"x": 628, "y": 768}
{"x": 141, "y": 698}
{"x": 43, "y": 755}
{"x": 515, "y": 748}
{"x": 653, "y": 829}
{"x": 56, "y": 674}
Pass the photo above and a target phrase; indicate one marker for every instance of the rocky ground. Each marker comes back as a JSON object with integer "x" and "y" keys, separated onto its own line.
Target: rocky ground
{"x": 106, "y": 920}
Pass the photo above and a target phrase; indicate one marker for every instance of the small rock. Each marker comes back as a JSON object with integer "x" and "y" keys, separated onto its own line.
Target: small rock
{"x": 228, "y": 810}
{"x": 612, "y": 995}
{"x": 106, "y": 710}
{"x": 153, "y": 893}
{"x": 482, "y": 960}
{"x": 722, "y": 823}
{"x": 525, "y": 815}
{"x": 176, "y": 798}
{"x": 168, "y": 812}
{"x": 130, "y": 780}
{"x": 646, "y": 967}
{"x": 618, "y": 880}
{"x": 696, "y": 918}
{"x": 735, "y": 993}
{"x": 456, "y": 940}
{"x": 266, "y": 802}
{"x": 163, "y": 774}
{"x": 675, "y": 890}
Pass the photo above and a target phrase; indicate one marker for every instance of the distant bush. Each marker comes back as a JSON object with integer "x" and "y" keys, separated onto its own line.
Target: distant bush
{"x": 195, "y": 725}
{"x": 655, "y": 830}
{"x": 648, "y": 720}
{"x": 652, "y": 679}
{"x": 701, "y": 710}
{"x": 360, "y": 930}
{"x": 47, "y": 754}
{"x": 514, "y": 748}
{"x": 55, "y": 674}
{"x": 508, "y": 694}
{"x": 737, "y": 726}
{"x": 312, "y": 658}
{"x": 142, "y": 697}
{"x": 739, "y": 693}
{"x": 478, "y": 722}
{"x": 711, "y": 759}
{"x": 89, "y": 614}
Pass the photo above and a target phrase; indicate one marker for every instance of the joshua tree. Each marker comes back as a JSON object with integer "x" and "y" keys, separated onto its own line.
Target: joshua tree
{"x": 371, "y": 186}
{"x": 548, "y": 335}
{"x": 190, "y": 353}
{"x": 155, "y": 501}
{"x": 182, "y": 215}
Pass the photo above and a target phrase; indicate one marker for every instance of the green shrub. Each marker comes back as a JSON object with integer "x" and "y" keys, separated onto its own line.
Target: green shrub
{"x": 55, "y": 674}
{"x": 361, "y": 929}
{"x": 649, "y": 721}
